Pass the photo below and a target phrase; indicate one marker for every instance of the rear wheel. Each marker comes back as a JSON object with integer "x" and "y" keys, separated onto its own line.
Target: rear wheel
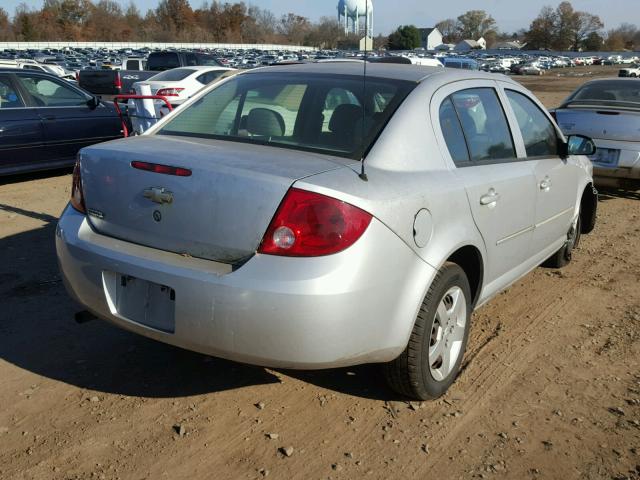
{"x": 431, "y": 361}
{"x": 563, "y": 256}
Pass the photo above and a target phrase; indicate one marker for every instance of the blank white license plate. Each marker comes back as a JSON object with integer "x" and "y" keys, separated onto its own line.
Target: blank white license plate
{"x": 145, "y": 302}
{"x": 606, "y": 156}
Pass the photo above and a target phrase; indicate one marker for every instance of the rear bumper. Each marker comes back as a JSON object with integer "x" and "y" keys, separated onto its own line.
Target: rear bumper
{"x": 626, "y": 174}
{"x": 626, "y": 178}
{"x": 355, "y": 307}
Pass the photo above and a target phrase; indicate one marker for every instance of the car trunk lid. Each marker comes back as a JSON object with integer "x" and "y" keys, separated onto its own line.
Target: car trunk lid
{"x": 220, "y": 212}
{"x": 600, "y": 123}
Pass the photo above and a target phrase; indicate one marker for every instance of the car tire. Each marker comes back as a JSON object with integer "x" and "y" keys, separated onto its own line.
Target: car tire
{"x": 427, "y": 367}
{"x": 563, "y": 256}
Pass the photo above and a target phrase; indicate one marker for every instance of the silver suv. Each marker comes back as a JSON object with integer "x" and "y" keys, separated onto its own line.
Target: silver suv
{"x": 304, "y": 217}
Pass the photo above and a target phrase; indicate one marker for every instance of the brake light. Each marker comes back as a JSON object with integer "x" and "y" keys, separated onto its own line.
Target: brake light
{"x": 164, "y": 169}
{"x": 77, "y": 195}
{"x": 309, "y": 224}
{"x": 169, "y": 92}
{"x": 117, "y": 81}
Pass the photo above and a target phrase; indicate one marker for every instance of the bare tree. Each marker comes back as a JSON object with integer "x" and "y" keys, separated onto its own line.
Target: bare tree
{"x": 6, "y": 29}
{"x": 449, "y": 30}
{"x": 294, "y": 27}
{"x": 541, "y": 34}
{"x": 474, "y": 24}
{"x": 584, "y": 27}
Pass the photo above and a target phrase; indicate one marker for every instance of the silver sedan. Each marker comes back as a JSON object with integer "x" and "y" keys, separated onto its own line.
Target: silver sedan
{"x": 306, "y": 216}
{"x": 609, "y": 112}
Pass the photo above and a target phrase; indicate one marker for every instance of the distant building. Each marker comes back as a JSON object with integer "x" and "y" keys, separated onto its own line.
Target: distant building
{"x": 430, "y": 38}
{"x": 468, "y": 45}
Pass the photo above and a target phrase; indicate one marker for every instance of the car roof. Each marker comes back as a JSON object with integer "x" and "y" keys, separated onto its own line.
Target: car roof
{"x": 204, "y": 67}
{"x": 609, "y": 80}
{"x": 392, "y": 71}
{"x": 27, "y": 72}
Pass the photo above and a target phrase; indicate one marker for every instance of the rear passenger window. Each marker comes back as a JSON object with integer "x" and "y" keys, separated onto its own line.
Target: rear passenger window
{"x": 539, "y": 134}
{"x": 47, "y": 93}
{"x": 452, "y": 132}
{"x": 484, "y": 124}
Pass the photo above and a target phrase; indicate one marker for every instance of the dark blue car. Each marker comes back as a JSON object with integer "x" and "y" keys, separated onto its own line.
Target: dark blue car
{"x": 45, "y": 120}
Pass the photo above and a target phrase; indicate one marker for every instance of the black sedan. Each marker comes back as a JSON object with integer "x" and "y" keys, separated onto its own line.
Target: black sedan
{"x": 45, "y": 120}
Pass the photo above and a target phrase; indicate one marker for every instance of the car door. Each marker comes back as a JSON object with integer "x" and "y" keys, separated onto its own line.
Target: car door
{"x": 556, "y": 178}
{"x": 500, "y": 186}
{"x": 68, "y": 121}
{"x": 21, "y": 132}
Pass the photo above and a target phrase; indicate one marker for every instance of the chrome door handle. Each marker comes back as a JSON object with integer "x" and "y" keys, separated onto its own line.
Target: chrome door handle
{"x": 545, "y": 184}
{"x": 490, "y": 198}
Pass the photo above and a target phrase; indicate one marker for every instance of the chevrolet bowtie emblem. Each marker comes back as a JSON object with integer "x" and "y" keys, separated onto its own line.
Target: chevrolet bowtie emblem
{"x": 158, "y": 195}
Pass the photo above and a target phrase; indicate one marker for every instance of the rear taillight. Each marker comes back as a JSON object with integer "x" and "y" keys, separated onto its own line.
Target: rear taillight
{"x": 117, "y": 81}
{"x": 77, "y": 195}
{"x": 309, "y": 224}
{"x": 169, "y": 92}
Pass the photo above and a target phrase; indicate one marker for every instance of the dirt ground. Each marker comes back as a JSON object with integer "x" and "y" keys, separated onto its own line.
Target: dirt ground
{"x": 550, "y": 387}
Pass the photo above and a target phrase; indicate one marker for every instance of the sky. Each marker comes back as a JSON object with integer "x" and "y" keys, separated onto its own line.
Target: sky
{"x": 511, "y": 15}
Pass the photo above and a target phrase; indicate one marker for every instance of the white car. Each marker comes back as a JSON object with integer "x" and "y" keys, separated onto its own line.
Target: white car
{"x": 632, "y": 71}
{"x": 28, "y": 64}
{"x": 179, "y": 84}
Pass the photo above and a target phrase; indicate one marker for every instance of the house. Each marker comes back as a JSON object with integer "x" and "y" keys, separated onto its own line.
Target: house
{"x": 468, "y": 45}
{"x": 430, "y": 38}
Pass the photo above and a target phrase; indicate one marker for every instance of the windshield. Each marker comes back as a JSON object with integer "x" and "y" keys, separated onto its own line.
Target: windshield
{"x": 324, "y": 113}
{"x": 173, "y": 75}
{"x": 610, "y": 92}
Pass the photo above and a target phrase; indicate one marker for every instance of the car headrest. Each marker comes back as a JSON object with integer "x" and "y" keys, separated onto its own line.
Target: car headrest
{"x": 265, "y": 123}
{"x": 345, "y": 118}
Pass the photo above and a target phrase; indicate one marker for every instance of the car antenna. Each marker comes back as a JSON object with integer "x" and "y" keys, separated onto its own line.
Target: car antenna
{"x": 362, "y": 174}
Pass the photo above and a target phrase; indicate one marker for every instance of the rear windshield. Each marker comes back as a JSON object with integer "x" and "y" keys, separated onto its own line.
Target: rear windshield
{"x": 207, "y": 60}
{"x": 324, "y": 113}
{"x": 611, "y": 92}
{"x": 173, "y": 75}
{"x": 159, "y": 61}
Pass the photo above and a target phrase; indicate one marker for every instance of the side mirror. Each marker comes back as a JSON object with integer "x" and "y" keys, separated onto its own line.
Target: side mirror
{"x": 577, "y": 145}
{"x": 93, "y": 102}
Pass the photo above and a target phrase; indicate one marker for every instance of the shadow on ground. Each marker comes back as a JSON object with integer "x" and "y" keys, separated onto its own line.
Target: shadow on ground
{"x": 39, "y": 335}
{"x": 611, "y": 193}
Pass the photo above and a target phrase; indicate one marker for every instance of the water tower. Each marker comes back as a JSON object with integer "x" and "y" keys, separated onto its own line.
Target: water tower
{"x": 356, "y": 16}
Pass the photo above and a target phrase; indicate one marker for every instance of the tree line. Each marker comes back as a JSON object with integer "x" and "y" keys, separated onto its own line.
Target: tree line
{"x": 560, "y": 28}
{"x": 170, "y": 21}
